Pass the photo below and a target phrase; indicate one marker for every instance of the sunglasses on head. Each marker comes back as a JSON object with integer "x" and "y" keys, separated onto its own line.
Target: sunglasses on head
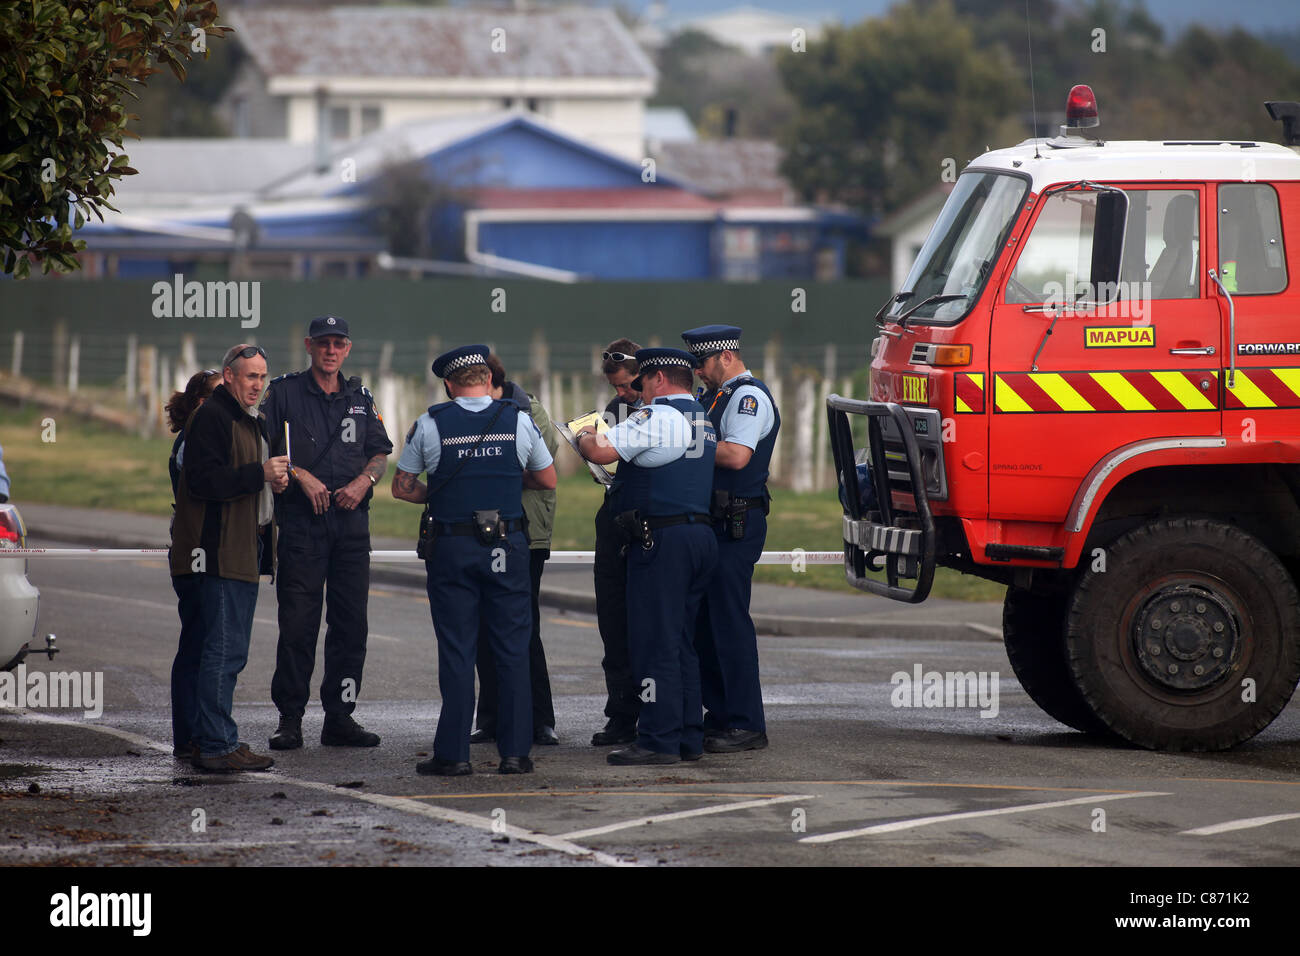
{"x": 208, "y": 372}
{"x": 619, "y": 357}
{"x": 247, "y": 352}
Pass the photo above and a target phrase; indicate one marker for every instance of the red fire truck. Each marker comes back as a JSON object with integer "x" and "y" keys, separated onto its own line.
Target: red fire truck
{"x": 1089, "y": 390}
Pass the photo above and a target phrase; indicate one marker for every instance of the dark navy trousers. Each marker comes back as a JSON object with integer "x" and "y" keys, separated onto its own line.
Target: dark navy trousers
{"x": 323, "y": 558}
{"x": 665, "y": 586}
{"x": 724, "y": 634}
{"x": 466, "y": 592}
{"x": 539, "y": 677}
{"x": 610, "y": 568}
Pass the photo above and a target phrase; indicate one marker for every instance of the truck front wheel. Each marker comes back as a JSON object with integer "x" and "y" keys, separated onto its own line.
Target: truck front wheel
{"x": 1190, "y": 637}
{"x": 1033, "y": 629}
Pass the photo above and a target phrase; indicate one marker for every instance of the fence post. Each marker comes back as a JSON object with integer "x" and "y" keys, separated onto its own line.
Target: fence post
{"x": 433, "y": 348}
{"x": 17, "y": 365}
{"x": 60, "y": 356}
{"x": 771, "y": 352}
{"x": 132, "y": 360}
{"x": 188, "y": 363}
{"x": 805, "y": 399}
{"x": 74, "y": 364}
{"x": 823, "y": 447}
{"x": 147, "y": 388}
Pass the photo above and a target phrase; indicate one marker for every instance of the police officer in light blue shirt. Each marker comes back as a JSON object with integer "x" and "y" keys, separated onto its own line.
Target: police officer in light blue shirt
{"x": 661, "y": 498}
{"x": 479, "y": 454}
{"x": 741, "y": 408}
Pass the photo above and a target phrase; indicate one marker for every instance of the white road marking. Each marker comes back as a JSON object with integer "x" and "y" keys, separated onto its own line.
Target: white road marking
{"x": 684, "y": 814}
{"x": 1243, "y": 824}
{"x": 404, "y": 804}
{"x": 182, "y": 845}
{"x": 138, "y": 602}
{"x": 985, "y": 629}
{"x": 968, "y": 815}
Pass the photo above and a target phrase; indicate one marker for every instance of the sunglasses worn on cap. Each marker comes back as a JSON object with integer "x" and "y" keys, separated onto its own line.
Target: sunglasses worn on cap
{"x": 619, "y": 357}
{"x": 247, "y": 352}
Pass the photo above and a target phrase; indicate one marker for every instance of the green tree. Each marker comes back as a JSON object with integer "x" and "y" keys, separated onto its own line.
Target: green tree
{"x": 881, "y": 105}
{"x": 65, "y": 69}
{"x": 708, "y": 79}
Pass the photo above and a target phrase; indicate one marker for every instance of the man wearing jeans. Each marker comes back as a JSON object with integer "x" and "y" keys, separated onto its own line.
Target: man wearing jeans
{"x": 222, "y": 540}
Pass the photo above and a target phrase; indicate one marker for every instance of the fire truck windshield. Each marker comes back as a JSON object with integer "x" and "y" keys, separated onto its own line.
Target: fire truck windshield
{"x": 962, "y": 246}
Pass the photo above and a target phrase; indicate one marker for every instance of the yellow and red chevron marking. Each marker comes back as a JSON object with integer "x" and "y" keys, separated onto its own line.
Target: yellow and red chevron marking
{"x": 1264, "y": 388}
{"x": 1131, "y": 391}
{"x": 968, "y": 388}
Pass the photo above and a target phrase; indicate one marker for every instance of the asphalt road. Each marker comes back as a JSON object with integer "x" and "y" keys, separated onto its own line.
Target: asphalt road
{"x": 849, "y": 779}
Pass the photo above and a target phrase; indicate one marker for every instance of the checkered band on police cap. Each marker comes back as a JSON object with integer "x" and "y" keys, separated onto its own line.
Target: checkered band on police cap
{"x": 650, "y": 359}
{"x": 708, "y": 339}
{"x": 463, "y": 357}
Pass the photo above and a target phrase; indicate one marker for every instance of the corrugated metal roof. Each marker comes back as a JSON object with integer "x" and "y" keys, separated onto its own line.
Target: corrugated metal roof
{"x": 414, "y": 42}
{"x": 193, "y": 170}
{"x": 721, "y": 166}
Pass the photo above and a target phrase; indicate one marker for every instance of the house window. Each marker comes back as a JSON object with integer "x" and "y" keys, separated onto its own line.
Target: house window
{"x": 340, "y": 122}
{"x": 370, "y": 119}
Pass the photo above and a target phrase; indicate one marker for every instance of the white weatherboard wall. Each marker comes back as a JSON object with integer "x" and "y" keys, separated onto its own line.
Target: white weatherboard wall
{"x": 613, "y": 124}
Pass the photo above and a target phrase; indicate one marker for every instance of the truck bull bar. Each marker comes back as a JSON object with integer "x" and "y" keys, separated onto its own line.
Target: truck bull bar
{"x": 887, "y": 538}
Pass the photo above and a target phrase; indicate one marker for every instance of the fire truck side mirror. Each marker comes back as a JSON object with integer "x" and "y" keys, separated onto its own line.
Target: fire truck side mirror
{"x": 1287, "y": 113}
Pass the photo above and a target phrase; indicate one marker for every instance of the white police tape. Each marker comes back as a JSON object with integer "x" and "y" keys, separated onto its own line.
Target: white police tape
{"x": 392, "y": 557}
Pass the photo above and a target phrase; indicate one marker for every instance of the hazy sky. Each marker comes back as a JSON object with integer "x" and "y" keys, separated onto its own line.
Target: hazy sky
{"x": 1173, "y": 15}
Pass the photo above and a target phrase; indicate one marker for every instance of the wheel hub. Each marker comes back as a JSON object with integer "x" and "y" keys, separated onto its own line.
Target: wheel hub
{"x": 1186, "y": 638}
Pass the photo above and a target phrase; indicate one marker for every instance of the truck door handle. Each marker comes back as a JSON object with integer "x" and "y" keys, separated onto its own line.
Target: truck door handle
{"x": 1206, "y": 350}
{"x": 1232, "y": 329}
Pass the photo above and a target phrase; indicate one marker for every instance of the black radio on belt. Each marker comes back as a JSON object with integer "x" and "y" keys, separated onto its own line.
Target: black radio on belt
{"x": 428, "y": 534}
{"x": 731, "y": 511}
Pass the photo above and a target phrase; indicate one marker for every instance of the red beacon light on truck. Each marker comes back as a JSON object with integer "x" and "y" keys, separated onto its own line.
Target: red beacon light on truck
{"x": 1081, "y": 108}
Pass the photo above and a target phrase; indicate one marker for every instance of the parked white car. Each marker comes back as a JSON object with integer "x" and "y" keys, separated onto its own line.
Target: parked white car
{"x": 18, "y": 598}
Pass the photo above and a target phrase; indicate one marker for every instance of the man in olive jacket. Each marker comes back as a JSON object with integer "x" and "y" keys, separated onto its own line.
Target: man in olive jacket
{"x": 539, "y": 519}
{"x": 223, "y": 539}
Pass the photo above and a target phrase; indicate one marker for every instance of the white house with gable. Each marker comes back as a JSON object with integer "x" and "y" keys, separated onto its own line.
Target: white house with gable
{"x": 338, "y": 73}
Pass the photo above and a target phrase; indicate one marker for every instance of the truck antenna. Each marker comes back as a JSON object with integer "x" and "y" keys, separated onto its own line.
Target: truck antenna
{"x": 1033, "y": 100}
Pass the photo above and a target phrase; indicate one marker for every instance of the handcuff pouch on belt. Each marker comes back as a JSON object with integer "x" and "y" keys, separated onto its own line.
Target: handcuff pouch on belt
{"x": 488, "y": 527}
{"x": 633, "y": 527}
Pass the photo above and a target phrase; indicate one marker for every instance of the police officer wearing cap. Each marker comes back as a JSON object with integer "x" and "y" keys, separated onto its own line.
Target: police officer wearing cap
{"x": 479, "y": 454}
{"x": 747, "y": 421}
{"x": 660, "y": 497}
{"x": 339, "y": 450}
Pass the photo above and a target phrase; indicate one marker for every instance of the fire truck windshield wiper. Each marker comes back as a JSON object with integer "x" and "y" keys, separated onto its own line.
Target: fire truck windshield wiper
{"x": 932, "y": 300}
{"x": 892, "y": 301}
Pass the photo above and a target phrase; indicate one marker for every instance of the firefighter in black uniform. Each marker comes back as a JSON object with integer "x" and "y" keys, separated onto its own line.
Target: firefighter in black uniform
{"x": 338, "y": 451}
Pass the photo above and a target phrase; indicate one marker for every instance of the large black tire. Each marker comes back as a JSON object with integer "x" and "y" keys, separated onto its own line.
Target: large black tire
{"x": 1033, "y": 629}
{"x": 1189, "y": 617}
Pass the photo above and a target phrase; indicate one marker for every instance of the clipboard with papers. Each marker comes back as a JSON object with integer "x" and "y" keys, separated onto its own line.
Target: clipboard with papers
{"x": 569, "y": 432}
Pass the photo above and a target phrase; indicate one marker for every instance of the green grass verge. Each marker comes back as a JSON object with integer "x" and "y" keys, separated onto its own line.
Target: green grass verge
{"x": 93, "y": 467}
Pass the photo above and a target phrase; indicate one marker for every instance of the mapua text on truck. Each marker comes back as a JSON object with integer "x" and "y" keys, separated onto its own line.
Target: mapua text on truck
{"x": 1089, "y": 390}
